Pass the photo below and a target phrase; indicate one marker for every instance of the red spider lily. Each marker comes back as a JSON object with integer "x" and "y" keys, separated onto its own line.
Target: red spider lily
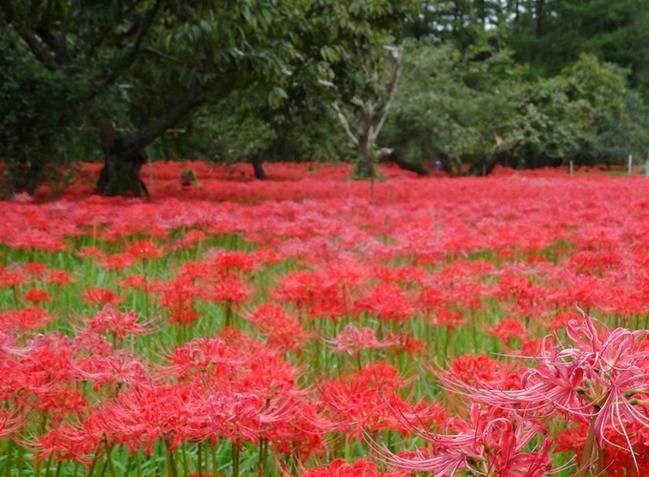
{"x": 368, "y": 401}
{"x": 68, "y": 442}
{"x": 488, "y": 444}
{"x": 601, "y": 379}
{"x": 401, "y": 275}
{"x": 12, "y": 278}
{"x": 100, "y": 296}
{"x": 118, "y": 261}
{"x": 60, "y": 278}
{"x": 137, "y": 282}
{"x": 482, "y": 371}
{"x": 144, "y": 250}
{"x": 406, "y": 343}
{"x": 352, "y": 340}
{"x": 507, "y": 330}
{"x": 233, "y": 263}
{"x": 283, "y": 333}
{"x": 91, "y": 252}
{"x": 35, "y": 270}
{"x": 190, "y": 239}
{"x": 178, "y": 297}
{"x": 144, "y": 414}
{"x": 116, "y": 323}
{"x": 30, "y": 318}
{"x": 387, "y": 302}
{"x": 36, "y": 295}
{"x": 11, "y": 421}
{"x": 205, "y": 359}
{"x": 448, "y": 318}
{"x": 113, "y": 371}
{"x": 229, "y": 290}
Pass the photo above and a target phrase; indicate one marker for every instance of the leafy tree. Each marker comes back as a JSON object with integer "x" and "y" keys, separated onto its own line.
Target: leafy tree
{"x": 144, "y": 44}
{"x": 550, "y": 34}
{"x": 38, "y": 110}
{"x": 456, "y": 107}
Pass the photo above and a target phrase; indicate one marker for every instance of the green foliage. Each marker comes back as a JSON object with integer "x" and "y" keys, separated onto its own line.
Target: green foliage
{"x": 478, "y": 108}
{"x": 454, "y": 105}
{"x": 39, "y": 108}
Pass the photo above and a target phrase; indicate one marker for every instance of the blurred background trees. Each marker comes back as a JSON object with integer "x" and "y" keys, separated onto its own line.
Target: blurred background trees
{"x": 517, "y": 82}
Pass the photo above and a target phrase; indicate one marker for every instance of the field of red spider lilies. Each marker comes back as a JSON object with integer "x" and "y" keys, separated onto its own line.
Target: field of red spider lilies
{"x": 315, "y": 326}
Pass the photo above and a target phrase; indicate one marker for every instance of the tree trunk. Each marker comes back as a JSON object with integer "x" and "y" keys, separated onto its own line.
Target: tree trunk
{"x": 122, "y": 165}
{"x": 365, "y": 168}
{"x": 124, "y": 156}
{"x": 258, "y": 167}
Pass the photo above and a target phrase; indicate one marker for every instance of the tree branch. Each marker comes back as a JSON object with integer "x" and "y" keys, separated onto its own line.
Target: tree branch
{"x": 28, "y": 36}
{"x": 390, "y": 89}
{"x": 144, "y": 137}
{"x": 108, "y": 78}
{"x": 345, "y": 123}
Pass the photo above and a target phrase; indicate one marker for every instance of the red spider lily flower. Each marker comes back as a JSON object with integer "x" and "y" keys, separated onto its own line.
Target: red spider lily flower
{"x": 561, "y": 320}
{"x": 116, "y": 323}
{"x": 177, "y": 297}
{"x": 406, "y": 343}
{"x": 30, "y": 318}
{"x": 299, "y": 288}
{"x": 232, "y": 263}
{"x": 351, "y": 340}
{"x": 68, "y": 442}
{"x": 137, "y": 282}
{"x": 112, "y": 371}
{"x": 448, "y": 318}
{"x": 210, "y": 359}
{"x": 11, "y": 421}
{"x": 60, "y": 278}
{"x": 91, "y": 252}
{"x": 228, "y": 290}
{"x": 400, "y": 275}
{"x": 507, "y": 330}
{"x": 12, "y": 278}
{"x": 144, "y": 414}
{"x": 35, "y": 270}
{"x": 190, "y": 239}
{"x": 118, "y": 261}
{"x": 100, "y": 296}
{"x": 486, "y": 445}
{"x": 368, "y": 401}
{"x": 283, "y": 332}
{"x": 144, "y": 250}
{"x": 387, "y": 302}
{"x": 602, "y": 379}
{"x": 36, "y": 295}
{"x": 484, "y": 372}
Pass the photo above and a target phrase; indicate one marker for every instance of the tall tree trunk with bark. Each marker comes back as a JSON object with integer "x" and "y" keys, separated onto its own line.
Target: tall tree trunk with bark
{"x": 258, "y": 168}
{"x": 366, "y": 165}
{"x": 124, "y": 155}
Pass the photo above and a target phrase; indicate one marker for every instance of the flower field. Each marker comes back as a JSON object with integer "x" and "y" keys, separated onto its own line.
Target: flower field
{"x": 315, "y": 326}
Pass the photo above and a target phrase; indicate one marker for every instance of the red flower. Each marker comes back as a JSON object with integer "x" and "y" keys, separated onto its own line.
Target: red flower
{"x": 116, "y": 323}
{"x": 100, "y": 296}
{"x": 508, "y": 330}
{"x": 351, "y": 340}
{"x": 36, "y": 295}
